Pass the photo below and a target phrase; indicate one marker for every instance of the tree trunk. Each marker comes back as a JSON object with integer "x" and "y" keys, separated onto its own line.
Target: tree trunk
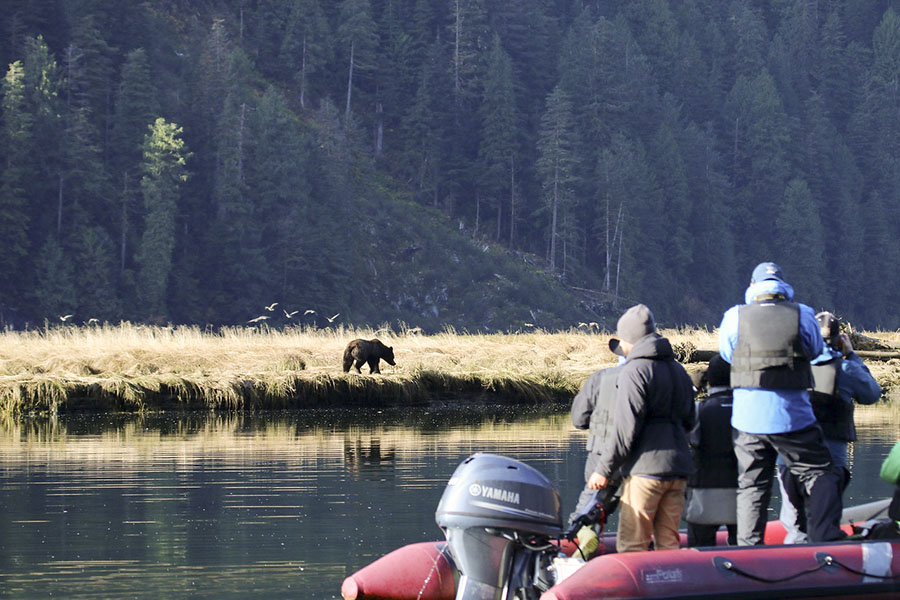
{"x": 349, "y": 84}
{"x": 124, "y": 240}
{"x": 59, "y": 207}
{"x": 303, "y": 76}
{"x": 512, "y": 202}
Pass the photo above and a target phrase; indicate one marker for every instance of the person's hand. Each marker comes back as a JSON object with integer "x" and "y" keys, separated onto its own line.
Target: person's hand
{"x": 597, "y": 481}
{"x": 846, "y": 345}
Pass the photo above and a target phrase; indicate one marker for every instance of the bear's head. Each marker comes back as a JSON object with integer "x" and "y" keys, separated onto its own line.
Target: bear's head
{"x": 388, "y": 355}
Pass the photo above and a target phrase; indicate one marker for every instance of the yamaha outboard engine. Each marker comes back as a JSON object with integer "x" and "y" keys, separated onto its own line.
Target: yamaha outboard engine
{"x": 499, "y": 516}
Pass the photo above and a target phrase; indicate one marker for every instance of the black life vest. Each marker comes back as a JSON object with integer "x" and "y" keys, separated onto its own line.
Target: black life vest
{"x": 768, "y": 353}
{"x": 833, "y": 413}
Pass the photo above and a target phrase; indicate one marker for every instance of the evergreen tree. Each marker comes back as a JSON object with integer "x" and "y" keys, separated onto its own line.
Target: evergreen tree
{"x": 136, "y": 107}
{"x": 42, "y": 88}
{"x": 54, "y": 292}
{"x": 95, "y": 286}
{"x": 556, "y": 165}
{"x": 165, "y": 172}
{"x": 15, "y": 172}
{"x": 497, "y": 153}
{"x": 305, "y": 44}
{"x": 801, "y": 241}
{"x": 357, "y": 34}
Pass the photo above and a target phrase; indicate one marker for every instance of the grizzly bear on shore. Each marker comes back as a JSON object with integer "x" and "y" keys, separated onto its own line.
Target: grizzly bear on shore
{"x": 367, "y": 351}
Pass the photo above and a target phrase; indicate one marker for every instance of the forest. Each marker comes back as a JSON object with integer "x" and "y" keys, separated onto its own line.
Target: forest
{"x": 484, "y": 165}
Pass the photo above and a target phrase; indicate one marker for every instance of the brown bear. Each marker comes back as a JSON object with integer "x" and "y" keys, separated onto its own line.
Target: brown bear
{"x": 367, "y": 351}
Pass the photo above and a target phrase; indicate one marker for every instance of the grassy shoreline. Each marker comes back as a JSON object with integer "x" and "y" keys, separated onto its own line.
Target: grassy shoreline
{"x": 137, "y": 368}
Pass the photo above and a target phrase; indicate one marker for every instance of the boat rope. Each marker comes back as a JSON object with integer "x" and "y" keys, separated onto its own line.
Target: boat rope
{"x": 835, "y": 561}
{"x": 824, "y": 561}
{"x": 730, "y": 566}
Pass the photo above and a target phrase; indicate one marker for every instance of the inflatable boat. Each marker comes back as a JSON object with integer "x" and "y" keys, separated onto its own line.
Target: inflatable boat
{"x": 503, "y": 524}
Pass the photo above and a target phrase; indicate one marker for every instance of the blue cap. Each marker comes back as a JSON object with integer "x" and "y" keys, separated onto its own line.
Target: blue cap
{"x": 766, "y": 270}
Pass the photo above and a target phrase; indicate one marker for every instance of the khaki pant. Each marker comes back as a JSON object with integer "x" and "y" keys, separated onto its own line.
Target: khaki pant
{"x": 650, "y": 508}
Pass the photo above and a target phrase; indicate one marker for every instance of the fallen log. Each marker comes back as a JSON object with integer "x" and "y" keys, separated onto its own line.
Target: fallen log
{"x": 696, "y": 356}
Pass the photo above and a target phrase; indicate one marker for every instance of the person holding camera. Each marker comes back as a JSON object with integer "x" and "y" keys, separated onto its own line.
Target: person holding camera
{"x": 839, "y": 379}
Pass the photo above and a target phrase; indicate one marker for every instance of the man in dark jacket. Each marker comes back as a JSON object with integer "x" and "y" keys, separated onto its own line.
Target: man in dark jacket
{"x": 712, "y": 489}
{"x": 653, "y": 413}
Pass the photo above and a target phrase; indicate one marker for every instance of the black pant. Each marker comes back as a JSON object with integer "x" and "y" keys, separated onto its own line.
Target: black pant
{"x": 705, "y": 535}
{"x": 807, "y": 458}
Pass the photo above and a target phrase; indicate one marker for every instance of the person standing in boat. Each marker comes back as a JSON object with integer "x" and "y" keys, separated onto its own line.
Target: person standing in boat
{"x": 840, "y": 377}
{"x": 654, "y": 411}
{"x": 770, "y": 342}
{"x": 592, "y": 409}
{"x": 711, "y": 489}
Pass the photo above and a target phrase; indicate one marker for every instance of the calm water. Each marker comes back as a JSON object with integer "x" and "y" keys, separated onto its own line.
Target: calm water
{"x": 275, "y": 505}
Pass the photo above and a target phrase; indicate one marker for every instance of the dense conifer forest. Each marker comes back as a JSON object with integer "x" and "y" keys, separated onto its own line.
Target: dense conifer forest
{"x": 485, "y": 164}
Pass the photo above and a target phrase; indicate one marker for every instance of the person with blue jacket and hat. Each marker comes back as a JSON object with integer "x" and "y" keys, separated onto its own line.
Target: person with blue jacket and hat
{"x": 770, "y": 342}
{"x": 840, "y": 378}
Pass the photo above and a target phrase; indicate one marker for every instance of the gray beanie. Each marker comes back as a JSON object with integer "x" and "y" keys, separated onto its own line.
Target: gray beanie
{"x": 635, "y": 323}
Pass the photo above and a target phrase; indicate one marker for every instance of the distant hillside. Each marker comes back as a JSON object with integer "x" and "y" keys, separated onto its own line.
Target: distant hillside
{"x": 464, "y": 163}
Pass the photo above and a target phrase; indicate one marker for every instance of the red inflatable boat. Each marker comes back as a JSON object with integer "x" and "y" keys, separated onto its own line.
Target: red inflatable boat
{"x": 498, "y": 549}
{"x": 867, "y": 569}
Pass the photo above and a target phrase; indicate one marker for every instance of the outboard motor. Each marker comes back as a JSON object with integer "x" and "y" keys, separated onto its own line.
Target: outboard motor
{"x": 499, "y": 516}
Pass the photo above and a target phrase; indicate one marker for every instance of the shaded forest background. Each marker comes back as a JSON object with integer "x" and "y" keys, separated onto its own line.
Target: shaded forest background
{"x": 484, "y": 164}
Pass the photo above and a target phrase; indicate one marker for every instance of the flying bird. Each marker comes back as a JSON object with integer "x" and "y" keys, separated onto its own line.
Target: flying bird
{"x": 330, "y": 319}
{"x": 290, "y": 314}
{"x": 309, "y": 311}
{"x": 92, "y": 321}
{"x": 65, "y": 318}
{"x": 258, "y": 319}
{"x": 271, "y": 307}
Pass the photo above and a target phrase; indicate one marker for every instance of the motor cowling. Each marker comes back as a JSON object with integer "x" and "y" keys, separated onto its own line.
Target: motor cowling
{"x": 493, "y": 507}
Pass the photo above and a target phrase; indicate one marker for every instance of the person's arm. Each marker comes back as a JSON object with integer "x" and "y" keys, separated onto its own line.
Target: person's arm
{"x": 856, "y": 382}
{"x": 583, "y": 404}
{"x": 728, "y": 331}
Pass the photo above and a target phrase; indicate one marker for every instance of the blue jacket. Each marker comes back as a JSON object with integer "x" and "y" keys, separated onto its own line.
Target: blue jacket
{"x": 765, "y": 411}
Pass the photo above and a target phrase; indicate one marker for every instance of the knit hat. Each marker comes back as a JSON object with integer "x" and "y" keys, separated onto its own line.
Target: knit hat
{"x": 766, "y": 270}
{"x": 718, "y": 374}
{"x": 830, "y": 327}
{"x": 635, "y": 323}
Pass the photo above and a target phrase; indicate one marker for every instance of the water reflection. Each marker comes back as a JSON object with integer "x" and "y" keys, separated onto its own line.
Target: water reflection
{"x": 276, "y": 504}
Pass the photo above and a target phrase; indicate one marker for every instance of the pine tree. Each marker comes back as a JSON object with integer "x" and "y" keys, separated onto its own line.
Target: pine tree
{"x": 42, "y": 89}
{"x": 800, "y": 238}
{"x": 136, "y": 107}
{"x": 497, "y": 152}
{"x": 15, "y": 172}
{"x": 306, "y": 44}
{"x": 556, "y": 165}
{"x": 95, "y": 286}
{"x": 165, "y": 172}
{"x": 54, "y": 292}
{"x": 357, "y": 34}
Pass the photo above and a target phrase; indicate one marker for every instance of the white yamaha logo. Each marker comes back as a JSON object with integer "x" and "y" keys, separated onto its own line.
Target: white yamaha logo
{"x": 475, "y": 490}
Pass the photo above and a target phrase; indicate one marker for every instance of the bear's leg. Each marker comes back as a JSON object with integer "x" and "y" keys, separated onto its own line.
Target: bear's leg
{"x": 348, "y": 362}
{"x": 359, "y": 363}
{"x": 373, "y": 365}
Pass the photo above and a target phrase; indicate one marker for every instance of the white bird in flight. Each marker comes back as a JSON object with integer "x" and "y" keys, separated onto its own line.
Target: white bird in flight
{"x": 290, "y": 314}
{"x": 271, "y": 307}
{"x": 65, "y": 318}
{"x": 258, "y": 319}
{"x": 330, "y": 319}
{"x": 309, "y": 311}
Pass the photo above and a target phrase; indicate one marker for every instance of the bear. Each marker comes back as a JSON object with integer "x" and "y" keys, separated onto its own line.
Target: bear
{"x": 367, "y": 351}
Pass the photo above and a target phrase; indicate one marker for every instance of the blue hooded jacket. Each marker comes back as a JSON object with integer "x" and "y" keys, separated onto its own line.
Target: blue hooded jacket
{"x": 765, "y": 411}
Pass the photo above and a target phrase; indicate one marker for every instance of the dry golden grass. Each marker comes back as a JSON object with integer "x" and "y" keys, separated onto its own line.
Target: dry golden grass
{"x": 136, "y": 367}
